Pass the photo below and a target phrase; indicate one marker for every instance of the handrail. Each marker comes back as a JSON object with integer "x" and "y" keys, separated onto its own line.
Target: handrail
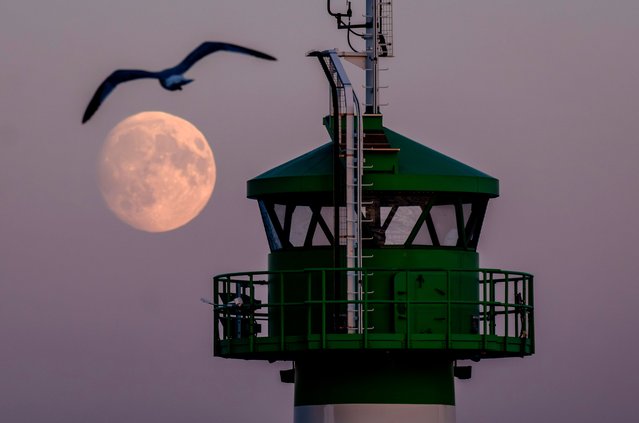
{"x": 345, "y": 104}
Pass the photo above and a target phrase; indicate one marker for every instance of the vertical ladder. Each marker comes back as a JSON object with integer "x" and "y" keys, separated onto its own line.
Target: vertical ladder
{"x": 350, "y": 140}
{"x": 379, "y": 43}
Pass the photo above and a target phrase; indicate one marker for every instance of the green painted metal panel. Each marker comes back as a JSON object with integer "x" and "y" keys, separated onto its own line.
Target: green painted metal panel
{"x": 382, "y": 162}
{"x": 386, "y": 284}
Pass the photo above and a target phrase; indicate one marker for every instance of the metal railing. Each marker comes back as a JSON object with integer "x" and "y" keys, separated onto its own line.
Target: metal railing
{"x": 281, "y": 314}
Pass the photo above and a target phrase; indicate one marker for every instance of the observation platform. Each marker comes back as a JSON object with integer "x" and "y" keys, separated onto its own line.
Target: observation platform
{"x": 254, "y": 319}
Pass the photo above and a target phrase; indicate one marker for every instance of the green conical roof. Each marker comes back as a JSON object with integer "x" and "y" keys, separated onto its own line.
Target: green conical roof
{"x": 413, "y": 167}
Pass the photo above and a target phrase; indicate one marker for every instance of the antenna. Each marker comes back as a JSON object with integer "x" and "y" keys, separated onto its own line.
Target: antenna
{"x": 385, "y": 28}
{"x": 379, "y": 41}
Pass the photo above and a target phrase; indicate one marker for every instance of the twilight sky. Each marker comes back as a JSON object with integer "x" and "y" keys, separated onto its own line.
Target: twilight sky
{"x": 100, "y": 322}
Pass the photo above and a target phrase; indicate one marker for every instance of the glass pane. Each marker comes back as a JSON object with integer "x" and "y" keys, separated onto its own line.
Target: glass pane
{"x": 299, "y": 225}
{"x": 402, "y": 224}
{"x": 320, "y": 237}
{"x": 280, "y": 211}
{"x": 466, "y": 209}
{"x": 445, "y": 224}
{"x": 423, "y": 236}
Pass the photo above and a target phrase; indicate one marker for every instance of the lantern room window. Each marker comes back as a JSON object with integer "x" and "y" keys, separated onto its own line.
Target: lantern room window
{"x": 294, "y": 226}
{"x": 388, "y": 221}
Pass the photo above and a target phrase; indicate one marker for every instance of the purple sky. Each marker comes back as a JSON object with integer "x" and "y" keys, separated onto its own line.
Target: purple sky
{"x": 100, "y": 322}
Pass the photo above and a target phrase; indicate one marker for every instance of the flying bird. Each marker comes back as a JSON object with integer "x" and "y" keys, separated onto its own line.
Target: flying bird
{"x": 171, "y": 79}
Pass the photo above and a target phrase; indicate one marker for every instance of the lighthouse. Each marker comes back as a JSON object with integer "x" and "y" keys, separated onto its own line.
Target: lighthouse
{"x": 374, "y": 289}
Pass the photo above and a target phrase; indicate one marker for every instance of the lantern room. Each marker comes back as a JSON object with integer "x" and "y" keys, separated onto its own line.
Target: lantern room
{"x": 419, "y": 284}
{"x": 413, "y": 197}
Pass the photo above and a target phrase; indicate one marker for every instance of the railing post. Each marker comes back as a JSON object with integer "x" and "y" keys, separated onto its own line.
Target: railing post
{"x": 323, "y": 334}
{"x": 238, "y": 314}
{"x": 309, "y": 306}
{"x": 251, "y": 314}
{"x": 506, "y": 307}
{"x": 227, "y": 320}
{"x": 281, "y": 307}
{"x": 365, "y": 308}
{"x": 484, "y": 309}
{"x": 407, "y": 303}
{"x": 493, "y": 300}
{"x": 519, "y": 307}
{"x": 216, "y": 330}
{"x": 448, "y": 311}
{"x": 531, "y": 317}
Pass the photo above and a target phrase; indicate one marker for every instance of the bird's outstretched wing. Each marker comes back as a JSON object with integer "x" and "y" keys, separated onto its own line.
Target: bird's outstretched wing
{"x": 209, "y": 47}
{"x": 109, "y": 85}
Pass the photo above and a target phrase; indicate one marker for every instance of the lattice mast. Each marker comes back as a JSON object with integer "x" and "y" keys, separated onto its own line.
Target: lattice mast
{"x": 378, "y": 36}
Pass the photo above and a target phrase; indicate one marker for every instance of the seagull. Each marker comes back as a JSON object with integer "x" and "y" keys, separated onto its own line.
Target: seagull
{"x": 171, "y": 79}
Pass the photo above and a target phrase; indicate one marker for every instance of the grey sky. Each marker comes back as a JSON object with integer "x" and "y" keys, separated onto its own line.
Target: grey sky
{"x": 102, "y": 323}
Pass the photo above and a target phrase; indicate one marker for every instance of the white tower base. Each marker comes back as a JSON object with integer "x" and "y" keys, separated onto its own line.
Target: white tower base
{"x": 375, "y": 413}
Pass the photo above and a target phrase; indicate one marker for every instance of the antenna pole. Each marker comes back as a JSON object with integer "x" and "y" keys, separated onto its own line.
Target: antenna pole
{"x": 372, "y": 68}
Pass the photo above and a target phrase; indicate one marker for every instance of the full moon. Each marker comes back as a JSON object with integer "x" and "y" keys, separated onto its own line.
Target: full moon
{"x": 156, "y": 171}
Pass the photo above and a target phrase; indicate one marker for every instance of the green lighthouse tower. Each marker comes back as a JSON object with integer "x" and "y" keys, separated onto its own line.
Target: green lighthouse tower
{"x": 374, "y": 289}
